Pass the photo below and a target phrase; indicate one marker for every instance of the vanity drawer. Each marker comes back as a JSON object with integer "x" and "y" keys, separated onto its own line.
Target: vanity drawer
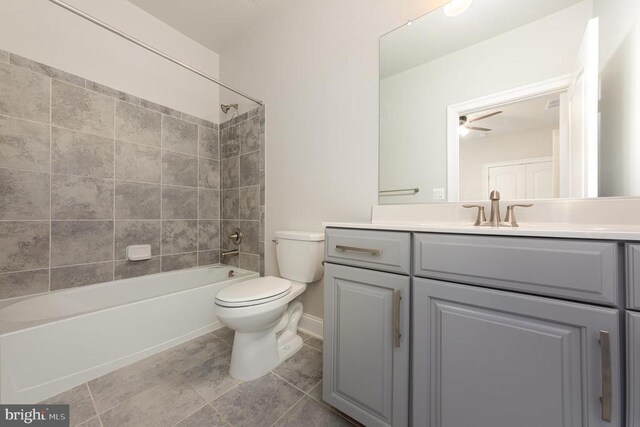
{"x": 582, "y": 270}
{"x": 633, "y": 276}
{"x": 377, "y": 250}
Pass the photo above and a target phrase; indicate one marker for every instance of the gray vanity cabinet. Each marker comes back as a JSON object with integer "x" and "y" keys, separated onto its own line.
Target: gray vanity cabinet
{"x": 490, "y": 358}
{"x": 366, "y": 344}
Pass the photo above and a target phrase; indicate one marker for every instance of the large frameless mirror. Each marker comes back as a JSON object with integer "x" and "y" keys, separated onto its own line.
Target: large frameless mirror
{"x": 535, "y": 98}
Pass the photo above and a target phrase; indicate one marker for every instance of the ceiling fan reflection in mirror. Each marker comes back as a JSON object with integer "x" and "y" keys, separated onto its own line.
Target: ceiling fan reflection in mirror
{"x": 464, "y": 121}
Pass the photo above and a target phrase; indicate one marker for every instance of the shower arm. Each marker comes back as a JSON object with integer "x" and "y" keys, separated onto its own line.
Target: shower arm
{"x": 152, "y": 49}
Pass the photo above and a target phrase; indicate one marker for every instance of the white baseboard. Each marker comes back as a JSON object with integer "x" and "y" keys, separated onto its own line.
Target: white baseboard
{"x": 311, "y": 325}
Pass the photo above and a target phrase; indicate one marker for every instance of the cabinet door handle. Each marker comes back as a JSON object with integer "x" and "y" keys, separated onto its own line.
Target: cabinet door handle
{"x": 397, "y": 297}
{"x": 605, "y": 361}
{"x": 356, "y": 249}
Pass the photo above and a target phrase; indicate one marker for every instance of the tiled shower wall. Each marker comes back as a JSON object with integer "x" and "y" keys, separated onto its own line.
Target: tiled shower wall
{"x": 242, "y": 143}
{"x": 86, "y": 170}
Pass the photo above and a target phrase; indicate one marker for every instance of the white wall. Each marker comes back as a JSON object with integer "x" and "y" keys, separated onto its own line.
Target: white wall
{"x": 315, "y": 64}
{"x": 414, "y": 103}
{"x": 44, "y": 32}
{"x": 476, "y": 152}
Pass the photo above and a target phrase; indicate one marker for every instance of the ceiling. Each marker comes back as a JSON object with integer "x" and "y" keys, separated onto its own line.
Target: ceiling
{"x": 517, "y": 117}
{"x": 215, "y": 24}
{"x": 435, "y": 35}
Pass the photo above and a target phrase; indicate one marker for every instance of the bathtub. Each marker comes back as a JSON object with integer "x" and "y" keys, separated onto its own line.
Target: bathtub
{"x": 52, "y": 342}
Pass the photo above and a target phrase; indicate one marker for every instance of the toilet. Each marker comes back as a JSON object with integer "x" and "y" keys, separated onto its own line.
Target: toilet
{"x": 260, "y": 310}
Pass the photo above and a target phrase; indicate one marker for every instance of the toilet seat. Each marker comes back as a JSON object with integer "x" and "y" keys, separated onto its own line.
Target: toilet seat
{"x": 253, "y": 292}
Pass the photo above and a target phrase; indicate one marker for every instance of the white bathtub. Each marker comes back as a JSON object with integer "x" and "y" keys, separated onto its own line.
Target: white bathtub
{"x": 52, "y": 342}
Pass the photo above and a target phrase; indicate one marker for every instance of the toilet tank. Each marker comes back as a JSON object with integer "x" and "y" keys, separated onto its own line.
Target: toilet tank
{"x": 300, "y": 255}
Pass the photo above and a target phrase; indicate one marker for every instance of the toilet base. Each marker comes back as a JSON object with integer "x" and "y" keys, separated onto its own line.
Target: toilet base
{"x": 290, "y": 348}
{"x": 254, "y": 354}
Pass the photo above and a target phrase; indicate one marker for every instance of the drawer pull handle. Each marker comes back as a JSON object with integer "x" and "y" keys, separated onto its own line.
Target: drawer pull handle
{"x": 605, "y": 360}
{"x": 361, "y": 250}
{"x": 397, "y": 297}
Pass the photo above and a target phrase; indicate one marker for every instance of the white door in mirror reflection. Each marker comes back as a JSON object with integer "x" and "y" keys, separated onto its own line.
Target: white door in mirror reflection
{"x": 579, "y": 169}
{"x": 539, "y": 180}
{"x": 527, "y": 180}
{"x": 508, "y": 180}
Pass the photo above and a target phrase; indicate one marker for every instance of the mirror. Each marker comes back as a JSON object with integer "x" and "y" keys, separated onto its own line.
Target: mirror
{"x": 535, "y": 98}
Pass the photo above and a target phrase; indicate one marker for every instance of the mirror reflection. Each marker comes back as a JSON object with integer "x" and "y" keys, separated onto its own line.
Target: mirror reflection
{"x": 534, "y": 98}
{"x": 514, "y": 149}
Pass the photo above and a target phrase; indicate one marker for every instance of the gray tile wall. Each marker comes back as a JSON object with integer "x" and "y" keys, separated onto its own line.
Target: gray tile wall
{"x": 86, "y": 170}
{"x": 242, "y": 144}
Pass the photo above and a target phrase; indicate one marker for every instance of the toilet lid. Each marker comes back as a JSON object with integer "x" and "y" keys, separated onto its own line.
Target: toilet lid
{"x": 254, "y": 291}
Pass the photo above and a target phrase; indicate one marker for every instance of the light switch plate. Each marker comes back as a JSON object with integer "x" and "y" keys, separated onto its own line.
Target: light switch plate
{"x": 438, "y": 194}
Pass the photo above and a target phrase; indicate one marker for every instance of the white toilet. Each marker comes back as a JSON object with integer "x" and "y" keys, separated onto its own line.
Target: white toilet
{"x": 258, "y": 310}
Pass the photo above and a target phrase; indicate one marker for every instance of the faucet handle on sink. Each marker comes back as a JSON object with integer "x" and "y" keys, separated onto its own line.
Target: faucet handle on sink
{"x": 481, "y": 218}
{"x": 510, "y": 218}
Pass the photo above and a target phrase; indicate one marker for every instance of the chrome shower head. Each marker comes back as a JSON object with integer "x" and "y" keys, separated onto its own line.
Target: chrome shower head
{"x": 226, "y": 107}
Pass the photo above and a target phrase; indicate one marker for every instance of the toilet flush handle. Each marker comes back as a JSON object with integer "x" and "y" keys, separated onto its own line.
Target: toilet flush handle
{"x": 275, "y": 241}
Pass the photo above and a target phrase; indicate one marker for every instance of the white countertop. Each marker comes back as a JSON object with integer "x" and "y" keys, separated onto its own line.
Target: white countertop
{"x": 575, "y": 231}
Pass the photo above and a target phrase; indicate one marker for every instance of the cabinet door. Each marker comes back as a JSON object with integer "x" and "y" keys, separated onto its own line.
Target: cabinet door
{"x": 633, "y": 366}
{"x": 489, "y": 358}
{"x": 366, "y": 344}
{"x": 633, "y": 276}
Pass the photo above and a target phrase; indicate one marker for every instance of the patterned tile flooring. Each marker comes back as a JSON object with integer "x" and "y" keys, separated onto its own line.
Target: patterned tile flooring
{"x": 189, "y": 385}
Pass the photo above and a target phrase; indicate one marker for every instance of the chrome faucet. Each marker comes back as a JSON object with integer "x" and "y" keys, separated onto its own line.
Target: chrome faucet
{"x": 494, "y": 216}
{"x": 235, "y": 238}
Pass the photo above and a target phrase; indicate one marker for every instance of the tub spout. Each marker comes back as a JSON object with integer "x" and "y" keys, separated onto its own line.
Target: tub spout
{"x": 233, "y": 252}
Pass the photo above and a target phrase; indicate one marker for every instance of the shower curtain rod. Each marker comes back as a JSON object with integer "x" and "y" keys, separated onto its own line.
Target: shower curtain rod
{"x": 149, "y": 48}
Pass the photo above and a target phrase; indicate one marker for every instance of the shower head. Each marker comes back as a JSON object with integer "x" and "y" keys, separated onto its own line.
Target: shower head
{"x": 226, "y": 107}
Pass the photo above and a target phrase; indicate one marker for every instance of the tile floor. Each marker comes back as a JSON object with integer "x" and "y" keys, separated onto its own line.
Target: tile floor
{"x": 189, "y": 385}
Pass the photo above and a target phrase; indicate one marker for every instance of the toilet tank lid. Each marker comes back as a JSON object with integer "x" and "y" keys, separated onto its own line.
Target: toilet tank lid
{"x": 309, "y": 236}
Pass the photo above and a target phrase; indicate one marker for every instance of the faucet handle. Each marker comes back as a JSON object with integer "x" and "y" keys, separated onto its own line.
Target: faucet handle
{"x": 510, "y": 218}
{"x": 236, "y": 236}
{"x": 481, "y": 217}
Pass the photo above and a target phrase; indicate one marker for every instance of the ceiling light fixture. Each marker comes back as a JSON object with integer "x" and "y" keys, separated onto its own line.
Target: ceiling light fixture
{"x": 456, "y": 7}
{"x": 463, "y": 131}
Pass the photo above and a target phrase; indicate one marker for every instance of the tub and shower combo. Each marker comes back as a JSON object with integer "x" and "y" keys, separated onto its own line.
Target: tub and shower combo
{"x": 52, "y": 342}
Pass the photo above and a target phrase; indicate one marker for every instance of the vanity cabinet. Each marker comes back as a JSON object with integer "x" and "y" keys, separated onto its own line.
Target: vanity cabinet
{"x": 366, "y": 328}
{"x": 505, "y": 330}
{"x": 487, "y": 358}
